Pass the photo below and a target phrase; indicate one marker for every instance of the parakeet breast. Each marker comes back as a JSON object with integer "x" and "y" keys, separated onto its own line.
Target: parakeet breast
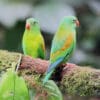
{"x": 33, "y": 45}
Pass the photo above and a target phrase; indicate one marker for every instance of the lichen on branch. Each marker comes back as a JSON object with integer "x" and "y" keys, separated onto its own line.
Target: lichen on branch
{"x": 75, "y": 80}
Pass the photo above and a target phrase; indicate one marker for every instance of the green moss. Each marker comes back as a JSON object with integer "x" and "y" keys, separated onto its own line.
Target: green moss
{"x": 79, "y": 81}
{"x": 7, "y": 58}
{"x": 82, "y": 82}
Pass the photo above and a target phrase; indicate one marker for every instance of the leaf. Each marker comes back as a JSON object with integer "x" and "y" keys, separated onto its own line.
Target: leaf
{"x": 13, "y": 87}
{"x": 48, "y": 91}
{"x": 53, "y": 91}
{"x": 21, "y": 90}
{"x": 7, "y": 86}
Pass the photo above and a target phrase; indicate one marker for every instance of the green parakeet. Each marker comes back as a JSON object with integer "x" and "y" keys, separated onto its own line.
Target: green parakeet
{"x": 33, "y": 42}
{"x": 63, "y": 44}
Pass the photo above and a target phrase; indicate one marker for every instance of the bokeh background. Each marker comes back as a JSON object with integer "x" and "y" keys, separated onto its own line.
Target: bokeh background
{"x": 13, "y": 14}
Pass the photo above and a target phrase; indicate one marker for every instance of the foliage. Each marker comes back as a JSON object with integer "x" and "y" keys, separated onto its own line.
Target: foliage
{"x": 13, "y": 87}
{"x": 53, "y": 91}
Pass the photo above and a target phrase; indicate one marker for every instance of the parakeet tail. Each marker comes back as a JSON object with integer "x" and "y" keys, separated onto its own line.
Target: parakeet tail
{"x": 47, "y": 77}
{"x": 51, "y": 69}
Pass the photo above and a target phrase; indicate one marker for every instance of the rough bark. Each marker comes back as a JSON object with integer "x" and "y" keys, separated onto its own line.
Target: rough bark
{"x": 80, "y": 80}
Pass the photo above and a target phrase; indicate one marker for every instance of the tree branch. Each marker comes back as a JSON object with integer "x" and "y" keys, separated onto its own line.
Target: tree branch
{"x": 78, "y": 80}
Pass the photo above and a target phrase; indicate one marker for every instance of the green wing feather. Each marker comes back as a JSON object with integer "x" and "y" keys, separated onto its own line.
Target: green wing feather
{"x": 41, "y": 49}
{"x": 64, "y": 47}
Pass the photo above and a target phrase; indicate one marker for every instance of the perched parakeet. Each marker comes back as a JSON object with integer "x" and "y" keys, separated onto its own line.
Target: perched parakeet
{"x": 63, "y": 44}
{"x": 33, "y": 42}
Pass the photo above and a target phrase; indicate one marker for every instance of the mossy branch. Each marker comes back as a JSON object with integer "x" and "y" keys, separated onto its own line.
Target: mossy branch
{"x": 84, "y": 81}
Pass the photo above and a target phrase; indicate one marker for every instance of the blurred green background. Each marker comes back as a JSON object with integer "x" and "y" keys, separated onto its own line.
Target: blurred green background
{"x": 13, "y": 14}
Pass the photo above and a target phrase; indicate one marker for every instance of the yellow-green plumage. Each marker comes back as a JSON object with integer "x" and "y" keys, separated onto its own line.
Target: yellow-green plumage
{"x": 33, "y": 42}
{"x": 63, "y": 44}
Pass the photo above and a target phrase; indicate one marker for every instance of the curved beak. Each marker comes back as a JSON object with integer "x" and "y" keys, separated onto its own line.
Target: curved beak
{"x": 77, "y": 23}
{"x": 27, "y": 26}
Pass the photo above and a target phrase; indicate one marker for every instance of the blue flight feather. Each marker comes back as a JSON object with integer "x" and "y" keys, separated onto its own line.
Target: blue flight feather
{"x": 51, "y": 69}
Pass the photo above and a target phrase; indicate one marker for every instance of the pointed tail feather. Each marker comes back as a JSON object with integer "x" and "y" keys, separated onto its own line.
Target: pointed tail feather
{"x": 51, "y": 69}
{"x": 55, "y": 64}
{"x": 47, "y": 77}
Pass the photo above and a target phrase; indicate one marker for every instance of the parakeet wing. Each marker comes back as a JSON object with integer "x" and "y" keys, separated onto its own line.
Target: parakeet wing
{"x": 64, "y": 55}
{"x": 41, "y": 50}
{"x": 66, "y": 45}
{"x": 59, "y": 53}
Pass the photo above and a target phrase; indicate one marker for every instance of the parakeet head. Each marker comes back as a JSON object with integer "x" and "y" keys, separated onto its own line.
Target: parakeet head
{"x": 31, "y": 23}
{"x": 71, "y": 21}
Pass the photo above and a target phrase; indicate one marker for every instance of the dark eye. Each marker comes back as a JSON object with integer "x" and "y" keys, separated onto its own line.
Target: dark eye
{"x": 33, "y": 23}
{"x": 74, "y": 20}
